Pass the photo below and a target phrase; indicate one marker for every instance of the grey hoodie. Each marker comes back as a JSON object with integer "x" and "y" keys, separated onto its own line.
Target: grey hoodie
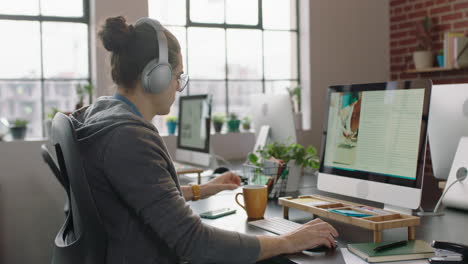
{"x": 138, "y": 195}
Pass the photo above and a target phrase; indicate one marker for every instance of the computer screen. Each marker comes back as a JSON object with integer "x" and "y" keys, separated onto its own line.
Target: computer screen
{"x": 193, "y": 140}
{"x": 376, "y": 133}
{"x": 448, "y": 122}
{"x": 275, "y": 111}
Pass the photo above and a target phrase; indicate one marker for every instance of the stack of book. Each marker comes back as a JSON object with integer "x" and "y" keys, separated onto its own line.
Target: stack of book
{"x": 414, "y": 249}
{"x": 455, "y": 50}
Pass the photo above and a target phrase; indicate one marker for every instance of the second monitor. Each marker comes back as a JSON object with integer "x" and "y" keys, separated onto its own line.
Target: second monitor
{"x": 193, "y": 140}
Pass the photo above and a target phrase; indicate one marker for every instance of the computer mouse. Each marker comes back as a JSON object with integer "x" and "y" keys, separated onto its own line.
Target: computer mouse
{"x": 318, "y": 251}
{"x": 220, "y": 170}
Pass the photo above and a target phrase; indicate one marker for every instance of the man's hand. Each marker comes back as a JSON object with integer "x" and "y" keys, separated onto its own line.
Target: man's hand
{"x": 226, "y": 181}
{"x": 309, "y": 235}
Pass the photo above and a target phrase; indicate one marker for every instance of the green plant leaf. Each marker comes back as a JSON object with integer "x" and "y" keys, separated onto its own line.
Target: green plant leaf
{"x": 253, "y": 159}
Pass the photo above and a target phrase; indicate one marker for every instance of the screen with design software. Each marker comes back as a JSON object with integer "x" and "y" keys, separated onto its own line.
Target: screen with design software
{"x": 374, "y": 134}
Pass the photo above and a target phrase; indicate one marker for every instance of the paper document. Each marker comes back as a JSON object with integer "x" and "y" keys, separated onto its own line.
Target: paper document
{"x": 350, "y": 258}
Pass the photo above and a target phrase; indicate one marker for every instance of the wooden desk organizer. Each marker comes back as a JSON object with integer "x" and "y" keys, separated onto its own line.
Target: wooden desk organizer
{"x": 380, "y": 219}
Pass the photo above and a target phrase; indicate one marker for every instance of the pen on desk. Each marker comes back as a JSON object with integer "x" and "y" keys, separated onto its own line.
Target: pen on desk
{"x": 391, "y": 246}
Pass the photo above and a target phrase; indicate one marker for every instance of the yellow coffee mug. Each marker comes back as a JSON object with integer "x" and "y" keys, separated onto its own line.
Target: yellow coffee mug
{"x": 255, "y": 200}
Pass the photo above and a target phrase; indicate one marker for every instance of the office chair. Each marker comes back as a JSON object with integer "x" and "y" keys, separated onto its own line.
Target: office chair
{"x": 82, "y": 238}
{"x": 49, "y": 160}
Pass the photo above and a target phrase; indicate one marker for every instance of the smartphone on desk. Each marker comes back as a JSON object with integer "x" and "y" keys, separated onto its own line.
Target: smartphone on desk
{"x": 213, "y": 214}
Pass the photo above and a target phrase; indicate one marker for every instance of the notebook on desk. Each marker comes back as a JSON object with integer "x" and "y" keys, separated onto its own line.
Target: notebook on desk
{"x": 414, "y": 249}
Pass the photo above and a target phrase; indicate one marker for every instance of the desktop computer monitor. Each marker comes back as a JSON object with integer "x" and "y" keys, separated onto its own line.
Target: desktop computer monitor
{"x": 193, "y": 140}
{"x": 374, "y": 142}
{"x": 448, "y": 122}
{"x": 275, "y": 111}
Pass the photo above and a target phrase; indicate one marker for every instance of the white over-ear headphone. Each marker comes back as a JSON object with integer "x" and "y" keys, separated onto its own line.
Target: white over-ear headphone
{"x": 157, "y": 74}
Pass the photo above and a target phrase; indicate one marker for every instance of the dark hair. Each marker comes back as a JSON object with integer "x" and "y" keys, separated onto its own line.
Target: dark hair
{"x": 132, "y": 48}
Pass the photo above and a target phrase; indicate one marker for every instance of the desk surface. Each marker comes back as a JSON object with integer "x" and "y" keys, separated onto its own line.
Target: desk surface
{"x": 450, "y": 227}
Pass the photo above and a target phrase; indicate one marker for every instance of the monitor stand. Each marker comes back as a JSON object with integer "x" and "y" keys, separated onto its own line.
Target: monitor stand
{"x": 204, "y": 160}
{"x": 401, "y": 210}
{"x": 431, "y": 192}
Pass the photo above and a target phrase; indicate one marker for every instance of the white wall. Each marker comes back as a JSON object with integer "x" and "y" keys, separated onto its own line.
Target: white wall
{"x": 31, "y": 204}
{"x": 102, "y": 9}
{"x": 349, "y": 43}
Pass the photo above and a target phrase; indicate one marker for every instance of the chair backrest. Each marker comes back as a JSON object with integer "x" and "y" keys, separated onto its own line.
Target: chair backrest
{"x": 54, "y": 167}
{"x": 88, "y": 244}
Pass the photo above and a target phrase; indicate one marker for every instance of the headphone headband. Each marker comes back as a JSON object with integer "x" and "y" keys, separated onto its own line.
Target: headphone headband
{"x": 157, "y": 74}
{"x": 162, "y": 41}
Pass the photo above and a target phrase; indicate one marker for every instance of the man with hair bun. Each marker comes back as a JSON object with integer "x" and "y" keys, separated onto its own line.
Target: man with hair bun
{"x": 134, "y": 184}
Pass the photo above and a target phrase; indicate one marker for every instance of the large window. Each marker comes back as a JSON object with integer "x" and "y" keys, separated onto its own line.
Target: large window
{"x": 44, "y": 55}
{"x": 234, "y": 48}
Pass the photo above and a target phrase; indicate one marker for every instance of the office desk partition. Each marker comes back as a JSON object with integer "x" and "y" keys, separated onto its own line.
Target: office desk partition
{"x": 453, "y": 226}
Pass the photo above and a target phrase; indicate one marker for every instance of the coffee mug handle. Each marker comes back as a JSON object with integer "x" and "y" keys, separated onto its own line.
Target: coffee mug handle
{"x": 237, "y": 201}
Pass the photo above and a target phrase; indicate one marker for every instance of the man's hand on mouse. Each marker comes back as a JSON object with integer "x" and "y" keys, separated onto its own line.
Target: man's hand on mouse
{"x": 310, "y": 235}
{"x": 225, "y": 181}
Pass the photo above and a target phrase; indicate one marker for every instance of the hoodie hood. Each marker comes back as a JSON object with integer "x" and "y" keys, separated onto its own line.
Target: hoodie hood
{"x": 106, "y": 114}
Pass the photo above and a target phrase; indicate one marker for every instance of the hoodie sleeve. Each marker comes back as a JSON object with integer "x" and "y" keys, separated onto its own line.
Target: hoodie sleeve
{"x": 135, "y": 167}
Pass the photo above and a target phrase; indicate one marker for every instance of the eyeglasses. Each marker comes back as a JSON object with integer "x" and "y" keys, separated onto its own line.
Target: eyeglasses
{"x": 183, "y": 81}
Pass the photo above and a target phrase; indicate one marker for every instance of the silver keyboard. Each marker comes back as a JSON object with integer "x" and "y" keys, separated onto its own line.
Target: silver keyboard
{"x": 276, "y": 225}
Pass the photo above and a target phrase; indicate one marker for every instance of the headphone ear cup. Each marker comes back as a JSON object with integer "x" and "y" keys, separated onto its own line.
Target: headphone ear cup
{"x": 156, "y": 77}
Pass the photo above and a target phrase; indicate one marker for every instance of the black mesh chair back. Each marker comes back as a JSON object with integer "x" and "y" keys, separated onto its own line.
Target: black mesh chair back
{"x": 82, "y": 238}
{"x": 54, "y": 167}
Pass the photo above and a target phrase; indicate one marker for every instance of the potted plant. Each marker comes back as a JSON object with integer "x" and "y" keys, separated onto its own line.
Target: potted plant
{"x": 18, "y": 128}
{"x": 218, "y": 121}
{"x": 48, "y": 121}
{"x": 171, "y": 123}
{"x": 303, "y": 157}
{"x": 233, "y": 123}
{"x": 81, "y": 91}
{"x": 246, "y": 121}
{"x": 295, "y": 95}
{"x": 294, "y": 155}
{"x": 440, "y": 58}
{"x": 422, "y": 56}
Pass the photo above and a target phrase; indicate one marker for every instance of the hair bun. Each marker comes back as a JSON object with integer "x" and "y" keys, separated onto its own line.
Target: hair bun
{"x": 116, "y": 34}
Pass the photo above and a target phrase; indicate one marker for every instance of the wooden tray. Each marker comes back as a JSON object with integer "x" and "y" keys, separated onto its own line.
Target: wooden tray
{"x": 379, "y": 220}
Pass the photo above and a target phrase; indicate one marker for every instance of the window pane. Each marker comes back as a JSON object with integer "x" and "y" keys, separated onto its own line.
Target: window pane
{"x": 279, "y": 87}
{"x": 20, "y": 51}
{"x": 206, "y": 58}
{"x": 62, "y": 95}
{"x": 239, "y": 96}
{"x": 279, "y": 14}
{"x": 207, "y": 11}
{"x": 168, "y": 12}
{"x": 179, "y": 33}
{"x": 69, "y": 8}
{"x": 242, "y": 12}
{"x": 24, "y": 7}
{"x": 244, "y": 52}
{"x": 22, "y": 99}
{"x": 280, "y": 55}
{"x": 65, "y": 50}
{"x": 215, "y": 88}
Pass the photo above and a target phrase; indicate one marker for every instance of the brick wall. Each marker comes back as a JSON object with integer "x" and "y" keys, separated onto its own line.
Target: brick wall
{"x": 447, "y": 15}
